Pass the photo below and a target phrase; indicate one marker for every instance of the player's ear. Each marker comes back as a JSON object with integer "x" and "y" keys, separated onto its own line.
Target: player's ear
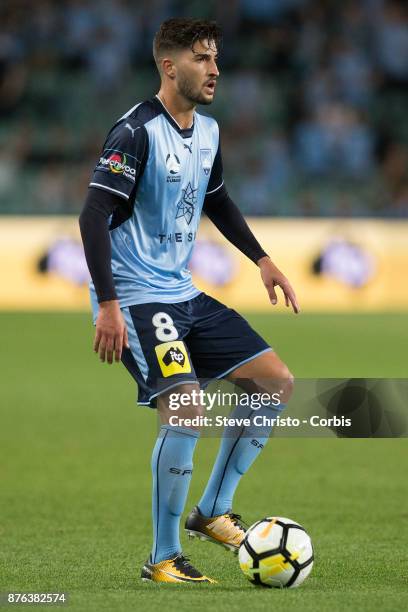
{"x": 168, "y": 68}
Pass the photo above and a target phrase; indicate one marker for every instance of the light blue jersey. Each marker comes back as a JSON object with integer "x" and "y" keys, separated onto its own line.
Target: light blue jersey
{"x": 162, "y": 173}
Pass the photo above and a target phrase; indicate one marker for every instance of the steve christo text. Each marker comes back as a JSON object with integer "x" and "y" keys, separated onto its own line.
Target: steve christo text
{"x": 259, "y": 420}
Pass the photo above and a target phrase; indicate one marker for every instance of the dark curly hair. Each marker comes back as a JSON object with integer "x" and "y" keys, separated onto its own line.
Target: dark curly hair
{"x": 181, "y": 33}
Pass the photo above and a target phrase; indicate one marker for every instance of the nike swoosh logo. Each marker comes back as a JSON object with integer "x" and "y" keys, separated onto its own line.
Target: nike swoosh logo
{"x": 183, "y": 579}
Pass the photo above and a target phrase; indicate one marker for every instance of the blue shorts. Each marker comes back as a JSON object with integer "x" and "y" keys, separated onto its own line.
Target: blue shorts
{"x": 179, "y": 343}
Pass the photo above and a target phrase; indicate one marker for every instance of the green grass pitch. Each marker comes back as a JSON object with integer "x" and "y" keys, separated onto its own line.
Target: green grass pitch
{"x": 75, "y": 476}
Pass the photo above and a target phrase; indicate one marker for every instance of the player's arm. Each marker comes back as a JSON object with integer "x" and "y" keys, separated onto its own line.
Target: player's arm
{"x": 111, "y": 332}
{"x": 227, "y": 217}
{"x": 111, "y": 188}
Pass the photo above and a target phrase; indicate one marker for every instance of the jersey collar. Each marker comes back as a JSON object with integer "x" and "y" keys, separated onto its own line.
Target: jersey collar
{"x": 184, "y": 133}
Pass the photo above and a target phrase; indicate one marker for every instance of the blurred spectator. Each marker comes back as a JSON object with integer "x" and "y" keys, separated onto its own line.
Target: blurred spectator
{"x": 277, "y": 162}
{"x": 395, "y": 172}
{"x": 13, "y": 71}
{"x": 80, "y": 20}
{"x": 335, "y": 141}
{"x": 50, "y": 189}
{"x": 392, "y": 41}
{"x": 268, "y": 10}
{"x": 254, "y": 192}
{"x": 352, "y": 73}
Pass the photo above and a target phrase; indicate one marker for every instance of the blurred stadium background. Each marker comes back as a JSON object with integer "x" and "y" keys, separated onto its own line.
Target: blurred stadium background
{"x": 312, "y": 100}
{"x": 312, "y": 104}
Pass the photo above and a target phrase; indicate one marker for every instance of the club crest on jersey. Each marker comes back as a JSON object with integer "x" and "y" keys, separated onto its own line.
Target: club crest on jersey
{"x": 172, "y": 358}
{"x": 206, "y": 160}
{"x": 186, "y": 206}
{"x": 173, "y": 168}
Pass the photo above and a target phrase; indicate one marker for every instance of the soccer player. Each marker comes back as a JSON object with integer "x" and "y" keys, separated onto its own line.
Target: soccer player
{"x": 161, "y": 165}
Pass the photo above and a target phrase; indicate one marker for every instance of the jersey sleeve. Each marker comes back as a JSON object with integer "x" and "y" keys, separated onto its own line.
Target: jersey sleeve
{"x": 216, "y": 180}
{"x": 122, "y": 160}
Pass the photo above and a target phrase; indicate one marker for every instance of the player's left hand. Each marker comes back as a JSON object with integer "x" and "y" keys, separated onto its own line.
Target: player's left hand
{"x": 272, "y": 277}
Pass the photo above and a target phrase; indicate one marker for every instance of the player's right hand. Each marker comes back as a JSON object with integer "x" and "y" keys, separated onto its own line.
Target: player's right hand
{"x": 111, "y": 332}
{"x": 272, "y": 277}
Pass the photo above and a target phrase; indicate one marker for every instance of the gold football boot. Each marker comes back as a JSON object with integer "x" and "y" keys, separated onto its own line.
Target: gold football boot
{"x": 225, "y": 529}
{"x": 176, "y": 570}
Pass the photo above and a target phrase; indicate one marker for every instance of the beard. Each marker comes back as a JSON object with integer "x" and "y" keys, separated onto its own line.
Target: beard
{"x": 192, "y": 93}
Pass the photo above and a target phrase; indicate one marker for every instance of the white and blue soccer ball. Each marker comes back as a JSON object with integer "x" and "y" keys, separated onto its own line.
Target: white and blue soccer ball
{"x": 276, "y": 552}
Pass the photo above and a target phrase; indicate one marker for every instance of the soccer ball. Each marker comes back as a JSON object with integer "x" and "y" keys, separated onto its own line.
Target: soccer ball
{"x": 276, "y": 552}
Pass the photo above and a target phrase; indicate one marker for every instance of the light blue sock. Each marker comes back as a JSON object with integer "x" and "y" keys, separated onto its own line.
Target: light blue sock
{"x": 239, "y": 448}
{"x": 172, "y": 465}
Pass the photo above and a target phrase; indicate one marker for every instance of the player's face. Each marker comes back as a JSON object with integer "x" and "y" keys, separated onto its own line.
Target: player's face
{"x": 197, "y": 72}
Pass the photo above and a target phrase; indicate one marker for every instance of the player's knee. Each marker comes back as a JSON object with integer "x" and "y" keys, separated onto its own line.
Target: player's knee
{"x": 288, "y": 381}
{"x": 196, "y": 411}
{"x": 183, "y": 402}
{"x": 190, "y": 401}
{"x": 280, "y": 382}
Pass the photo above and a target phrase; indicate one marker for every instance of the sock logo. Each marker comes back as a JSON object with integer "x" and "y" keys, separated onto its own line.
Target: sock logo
{"x": 174, "y": 470}
{"x": 172, "y": 358}
{"x": 257, "y": 444}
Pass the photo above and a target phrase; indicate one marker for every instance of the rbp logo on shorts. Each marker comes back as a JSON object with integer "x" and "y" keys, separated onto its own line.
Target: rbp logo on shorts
{"x": 172, "y": 358}
{"x": 173, "y": 354}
